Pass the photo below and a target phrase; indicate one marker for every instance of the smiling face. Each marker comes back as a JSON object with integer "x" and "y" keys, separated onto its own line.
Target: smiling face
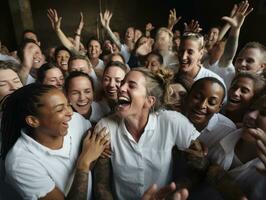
{"x": 53, "y": 115}
{"x": 80, "y": 94}
{"x": 240, "y": 94}
{"x": 62, "y": 60}
{"x": 132, "y": 97}
{"x": 94, "y": 49}
{"x": 176, "y": 97}
{"x": 204, "y": 100}
{"x": 111, "y": 81}
{"x": 9, "y": 82}
{"x": 189, "y": 56}
{"x": 250, "y": 59}
{"x": 54, "y": 77}
{"x": 255, "y": 118}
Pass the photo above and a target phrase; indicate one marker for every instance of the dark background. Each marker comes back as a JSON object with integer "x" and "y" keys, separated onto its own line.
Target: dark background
{"x": 131, "y": 12}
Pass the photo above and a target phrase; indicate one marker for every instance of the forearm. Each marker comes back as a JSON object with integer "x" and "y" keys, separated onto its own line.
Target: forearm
{"x": 64, "y": 40}
{"x": 230, "y": 48}
{"x": 113, "y": 37}
{"x": 77, "y": 39}
{"x": 79, "y": 188}
{"x": 23, "y": 74}
{"x": 223, "y": 31}
{"x": 103, "y": 180}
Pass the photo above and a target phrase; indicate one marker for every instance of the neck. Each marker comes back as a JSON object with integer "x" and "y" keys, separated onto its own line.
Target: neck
{"x": 94, "y": 61}
{"x": 136, "y": 125}
{"x": 193, "y": 73}
{"x": 49, "y": 141}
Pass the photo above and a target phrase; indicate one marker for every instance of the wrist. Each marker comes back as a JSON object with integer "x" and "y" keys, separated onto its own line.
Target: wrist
{"x": 77, "y": 34}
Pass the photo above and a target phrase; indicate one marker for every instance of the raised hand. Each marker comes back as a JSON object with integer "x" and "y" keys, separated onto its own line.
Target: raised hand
{"x": 238, "y": 14}
{"x": 172, "y": 19}
{"x": 105, "y": 18}
{"x": 53, "y": 17}
{"x": 145, "y": 48}
{"x": 193, "y": 27}
{"x": 81, "y": 22}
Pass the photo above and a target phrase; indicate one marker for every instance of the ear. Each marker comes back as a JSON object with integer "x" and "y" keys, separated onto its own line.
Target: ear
{"x": 32, "y": 121}
{"x": 150, "y": 101}
{"x": 263, "y": 66}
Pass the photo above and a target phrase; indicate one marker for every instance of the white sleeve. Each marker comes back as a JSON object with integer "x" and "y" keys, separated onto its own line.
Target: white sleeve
{"x": 30, "y": 179}
{"x": 185, "y": 131}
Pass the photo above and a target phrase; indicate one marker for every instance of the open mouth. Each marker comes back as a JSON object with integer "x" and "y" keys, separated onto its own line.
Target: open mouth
{"x": 63, "y": 63}
{"x": 82, "y": 104}
{"x": 36, "y": 61}
{"x": 123, "y": 102}
{"x": 234, "y": 101}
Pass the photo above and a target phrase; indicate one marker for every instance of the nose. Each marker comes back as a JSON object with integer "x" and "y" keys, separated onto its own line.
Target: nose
{"x": 81, "y": 96}
{"x": 184, "y": 55}
{"x": 237, "y": 92}
{"x": 112, "y": 83}
{"x": 242, "y": 65}
{"x": 203, "y": 104}
{"x": 69, "y": 111}
{"x": 13, "y": 87}
{"x": 122, "y": 88}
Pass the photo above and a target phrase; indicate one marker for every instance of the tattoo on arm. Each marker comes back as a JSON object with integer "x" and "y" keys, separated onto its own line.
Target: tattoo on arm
{"x": 79, "y": 188}
{"x": 103, "y": 180}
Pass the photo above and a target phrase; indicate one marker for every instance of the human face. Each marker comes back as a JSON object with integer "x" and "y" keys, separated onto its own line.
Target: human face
{"x": 117, "y": 58}
{"x": 38, "y": 58}
{"x": 54, "y": 114}
{"x": 240, "y": 94}
{"x": 255, "y": 118}
{"x": 111, "y": 81}
{"x": 189, "y": 55}
{"x": 79, "y": 65}
{"x": 152, "y": 62}
{"x": 213, "y": 35}
{"x": 250, "y": 59}
{"x": 162, "y": 42}
{"x": 54, "y": 77}
{"x": 94, "y": 49}
{"x": 9, "y": 82}
{"x": 129, "y": 36}
{"x": 132, "y": 96}
{"x": 176, "y": 97}
{"x": 62, "y": 60}
{"x": 80, "y": 94}
{"x": 203, "y": 102}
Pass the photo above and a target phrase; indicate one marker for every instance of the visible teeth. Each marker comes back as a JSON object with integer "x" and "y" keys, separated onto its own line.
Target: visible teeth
{"x": 63, "y": 63}
{"x": 82, "y": 104}
{"x": 123, "y": 98}
{"x": 36, "y": 61}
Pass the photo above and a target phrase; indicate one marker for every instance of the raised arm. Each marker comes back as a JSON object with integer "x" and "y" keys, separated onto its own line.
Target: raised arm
{"x": 105, "y": 21}
{"x": 236, "y": 23}
{"x": 78, "y": 32}
{"x": 172, "y": 19}
{"x": 56, "y": 25}
{"x": 193, "y": 27}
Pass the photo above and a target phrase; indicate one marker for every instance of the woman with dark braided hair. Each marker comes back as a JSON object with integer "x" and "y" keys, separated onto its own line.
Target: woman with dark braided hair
{"x": 41, "y": 142}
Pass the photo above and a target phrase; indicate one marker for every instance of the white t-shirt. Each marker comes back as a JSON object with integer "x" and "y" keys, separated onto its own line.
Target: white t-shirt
{"x": 99, "y": 110}
{"x": 125, "y": 51}
{"x": 138, "y": 165}
{"x": 34, "y": 170}
{"x": 100, "y": 65}
{"x": 218, "y": 127}
{"x": 227, "y": 73}
{"x": 30, "y": 80}
{"x": 250, "y": 180}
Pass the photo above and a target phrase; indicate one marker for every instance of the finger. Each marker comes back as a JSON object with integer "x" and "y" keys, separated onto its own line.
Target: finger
{"x": 165, "y": 191}
{"x": 150, "y": 192}
{"x": 233, "y": 11}
{"x": 261, "y": 146}
{"x": 229, "y": 20}
{"x": 250, "y": 9}
{"x": 174, "y": 11}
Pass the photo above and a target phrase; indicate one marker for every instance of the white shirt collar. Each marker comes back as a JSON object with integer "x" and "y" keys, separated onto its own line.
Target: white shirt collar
{"x": 38, "y": 149}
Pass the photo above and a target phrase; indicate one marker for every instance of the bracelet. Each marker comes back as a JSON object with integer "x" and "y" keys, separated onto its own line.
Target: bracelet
{"x": 76, "y": 34}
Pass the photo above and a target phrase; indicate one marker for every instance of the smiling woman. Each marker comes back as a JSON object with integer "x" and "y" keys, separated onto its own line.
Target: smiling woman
{"x": 41, "y": 145}
{"x": 142, "y": 137}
